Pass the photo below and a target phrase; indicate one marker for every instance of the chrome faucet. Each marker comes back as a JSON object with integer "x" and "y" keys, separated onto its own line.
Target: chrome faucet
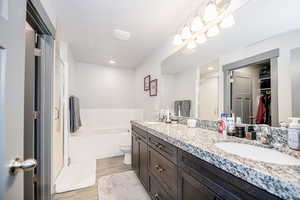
{"x": 264, "y": 134}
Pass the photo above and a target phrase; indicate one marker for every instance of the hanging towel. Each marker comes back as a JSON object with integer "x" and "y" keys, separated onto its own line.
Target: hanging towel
{"x": 184, "y": 106}
{"x": 261, "y": 111}
{"x": 75, "y": 121}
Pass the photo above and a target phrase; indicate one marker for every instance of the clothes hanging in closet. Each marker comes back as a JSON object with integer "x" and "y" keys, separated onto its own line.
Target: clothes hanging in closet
{"x": 263, "y": 115}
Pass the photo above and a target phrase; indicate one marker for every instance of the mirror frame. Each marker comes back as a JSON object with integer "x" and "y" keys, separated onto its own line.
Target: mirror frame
{"x": 272, "y": 56}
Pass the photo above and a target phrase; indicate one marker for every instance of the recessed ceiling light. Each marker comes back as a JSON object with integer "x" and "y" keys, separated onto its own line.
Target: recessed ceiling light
{"x": 121, "y": 35}
{"x": 210, "y": 68}
{"x": 112, "y": 62}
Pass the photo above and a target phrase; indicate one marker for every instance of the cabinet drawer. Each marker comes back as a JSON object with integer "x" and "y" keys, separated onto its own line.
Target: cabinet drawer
{"x": 142, "y": 134}
{"x": 164, "y": 170}
{"x": 225, "y": 185}
{"x": 156, "y": 190}
{"x": 167, "y": 150}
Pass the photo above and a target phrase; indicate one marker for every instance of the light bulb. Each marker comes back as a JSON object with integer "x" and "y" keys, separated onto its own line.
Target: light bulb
{"x": 177, "y": 40}
{"x": 186, "y": 33}
{"x": 201, "y": 38}
{"x": 210, "y": 12}
{"x": 191, "y": 45}
{"x": 227, "y": 22}
{"x": 197, "y": 24}
{"x": 213, "y": 31}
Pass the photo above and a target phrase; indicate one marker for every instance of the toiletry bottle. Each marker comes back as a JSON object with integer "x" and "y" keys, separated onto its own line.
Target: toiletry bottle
{"x": 230, "y": 126}
{"x": 294, "y": 133}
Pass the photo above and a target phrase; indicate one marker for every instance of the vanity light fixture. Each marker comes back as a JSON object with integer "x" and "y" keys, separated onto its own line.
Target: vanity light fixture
{"x": 213, "y": 31}
{"x": 112, "y": 62}
{"x": 186, "y": 33}
{"x": 210, "y": 12}
{"x": 177, "y": 40}
{"x": 200, "y": 39}
{"x": 197, "y": 24}
{"x": 227, "y": 22}
{"x": 216, "y": 15}
{"x": 191, "y": 45}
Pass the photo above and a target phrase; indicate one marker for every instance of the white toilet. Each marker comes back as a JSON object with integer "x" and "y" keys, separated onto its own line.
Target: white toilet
{"x": 126, "y": 149}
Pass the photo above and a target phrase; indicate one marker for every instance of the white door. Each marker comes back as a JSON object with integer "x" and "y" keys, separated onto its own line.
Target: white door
{"x": 12, "y": 65}
{"x": 58, "y": 134}
{"x": 242, "y": 96}
{"x": 208, "y": 98}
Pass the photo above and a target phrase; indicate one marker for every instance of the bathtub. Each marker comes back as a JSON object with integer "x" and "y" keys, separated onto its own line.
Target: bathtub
{"x": 91, "y": 144}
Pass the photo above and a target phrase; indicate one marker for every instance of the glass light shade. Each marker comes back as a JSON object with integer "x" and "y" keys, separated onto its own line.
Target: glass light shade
{"x": 177, "y": 40}
{"x": 201, "y": 39}
{"x": 210, "y": 12}
{"x": 227, "y": 22}
{"x": 197, "y": 24}
{"x": 191, "y": 45}
{"x": 213, "y": 31}
{"x": 186, "y": 33}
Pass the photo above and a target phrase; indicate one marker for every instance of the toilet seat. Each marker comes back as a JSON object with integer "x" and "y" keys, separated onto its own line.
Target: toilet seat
{"x": 125, "y": 148}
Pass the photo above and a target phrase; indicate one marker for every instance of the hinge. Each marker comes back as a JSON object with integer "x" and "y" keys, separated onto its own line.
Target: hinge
{"x": 35, "y": 178}
{"x": 37, "y": 52}
{"x": 36, "y": 115}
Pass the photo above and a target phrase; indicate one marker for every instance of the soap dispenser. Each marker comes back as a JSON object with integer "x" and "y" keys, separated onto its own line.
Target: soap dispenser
{"x": 294, "y": 133}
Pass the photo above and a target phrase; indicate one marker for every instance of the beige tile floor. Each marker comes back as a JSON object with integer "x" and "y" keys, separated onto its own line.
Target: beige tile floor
{"x": 104, "y": 167}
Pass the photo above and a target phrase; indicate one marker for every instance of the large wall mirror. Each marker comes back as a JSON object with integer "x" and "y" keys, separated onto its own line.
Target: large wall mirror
{"x": 250, "y": 88}
{"x": 250, "y": 70}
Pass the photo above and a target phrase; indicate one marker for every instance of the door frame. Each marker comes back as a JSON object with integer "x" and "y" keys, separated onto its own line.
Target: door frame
{"x": 37, "y": 17}
{"x": 272, "y": 56}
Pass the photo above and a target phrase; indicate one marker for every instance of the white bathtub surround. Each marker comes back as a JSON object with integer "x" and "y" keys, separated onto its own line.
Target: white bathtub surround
{"x": 102, "y": 133}
{"x": 76, "y": 176}
{"x": 92, "y": 144}
{"x": 109, "y": 118}
{"x": 125, "y": 186}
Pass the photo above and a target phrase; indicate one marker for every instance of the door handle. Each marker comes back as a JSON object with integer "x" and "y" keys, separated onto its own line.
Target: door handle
{"x": 18, "y": 164}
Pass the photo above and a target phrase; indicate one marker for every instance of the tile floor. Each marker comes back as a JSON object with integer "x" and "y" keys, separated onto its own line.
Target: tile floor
{"x": 104, "y": 167}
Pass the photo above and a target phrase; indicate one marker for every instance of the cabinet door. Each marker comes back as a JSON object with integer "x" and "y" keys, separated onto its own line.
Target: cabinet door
{"x": 143, "y": 163}
{"x": 156, "y": 190}
{"x": 135, "y": 158}
{"x": 191, "y": 189}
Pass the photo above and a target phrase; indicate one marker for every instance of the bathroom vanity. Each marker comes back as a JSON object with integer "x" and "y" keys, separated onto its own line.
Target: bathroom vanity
{"x": 174, "y": 162}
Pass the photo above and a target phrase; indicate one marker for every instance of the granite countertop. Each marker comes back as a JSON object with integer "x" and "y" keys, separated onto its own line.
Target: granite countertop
{"x": 280, "y": 180}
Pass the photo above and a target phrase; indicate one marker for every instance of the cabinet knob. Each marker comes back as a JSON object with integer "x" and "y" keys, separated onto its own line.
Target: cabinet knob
{"x": 156, "y": 196}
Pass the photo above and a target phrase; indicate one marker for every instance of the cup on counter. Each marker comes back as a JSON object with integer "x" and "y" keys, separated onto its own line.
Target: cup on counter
{"x": 192, "y": 123}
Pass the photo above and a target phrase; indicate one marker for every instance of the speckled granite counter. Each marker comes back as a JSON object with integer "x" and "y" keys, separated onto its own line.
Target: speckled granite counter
{"x": 280, "y": 180}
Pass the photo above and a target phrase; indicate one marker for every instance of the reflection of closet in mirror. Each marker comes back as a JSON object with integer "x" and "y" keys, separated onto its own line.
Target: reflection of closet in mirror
{"x": 251, "y": 93}
{"x": 251, "y": 88}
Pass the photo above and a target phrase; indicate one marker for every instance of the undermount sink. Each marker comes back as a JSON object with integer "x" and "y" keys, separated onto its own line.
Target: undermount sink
{"x": 257, "y": 153}
{"x": 152, "y": 123}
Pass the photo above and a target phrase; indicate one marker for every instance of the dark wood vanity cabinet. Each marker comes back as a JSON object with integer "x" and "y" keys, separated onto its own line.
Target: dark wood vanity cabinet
{"x": 140, "y": 158}
{"x": 189, "y": 188}
{"x": 168, "y": 173}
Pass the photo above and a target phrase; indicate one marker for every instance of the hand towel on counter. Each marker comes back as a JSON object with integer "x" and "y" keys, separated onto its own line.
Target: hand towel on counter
{"x": 75, "y": 121}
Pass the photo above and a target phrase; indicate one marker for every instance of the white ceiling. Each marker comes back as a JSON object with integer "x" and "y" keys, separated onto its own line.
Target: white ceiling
{"x": 255, "y": 21}
{"x": 88, "y": 25}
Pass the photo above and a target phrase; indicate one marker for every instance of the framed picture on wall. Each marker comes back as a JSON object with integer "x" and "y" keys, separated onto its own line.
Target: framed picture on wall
{"x": 147, "y": 83}
{"x": 153, "y": 87}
